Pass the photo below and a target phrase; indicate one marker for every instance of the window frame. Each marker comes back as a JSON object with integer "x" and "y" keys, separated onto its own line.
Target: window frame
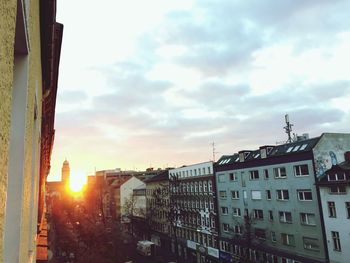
{"x": 289, "y": 239}
{"x": 224, "y": 210}
{"x": 283, "y": 217}
{"x": 277, "y": 172}
{"x": 254, "y": 175}
{"x": 303, "y": 191}
{"x": 223, "y": 194}
{"x": 311, "y": 248}
{"x": 236, "y": 194}
{"x": 336, "y": 241}
{"x": 225, "y": 227}
{"x": 307, "y": 217}
{"x": 299, "y": 169}
{"x": 283, "y": 198}
{"x": 332, "y": 211}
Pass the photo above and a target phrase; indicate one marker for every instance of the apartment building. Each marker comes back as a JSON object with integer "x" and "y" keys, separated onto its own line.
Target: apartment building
{"x": 194, "y": 225}
{"x": 157, "y": 202}
{"x": 269, "y": 206}
{"x": 30, "y": 41}
{"x": 334, "y": 188}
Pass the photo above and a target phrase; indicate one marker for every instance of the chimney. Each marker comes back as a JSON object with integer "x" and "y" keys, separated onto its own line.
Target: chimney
{"x": 347, "y": 156}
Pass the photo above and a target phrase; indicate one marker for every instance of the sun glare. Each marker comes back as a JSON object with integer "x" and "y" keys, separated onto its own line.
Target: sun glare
{"x": 77, "y": 182}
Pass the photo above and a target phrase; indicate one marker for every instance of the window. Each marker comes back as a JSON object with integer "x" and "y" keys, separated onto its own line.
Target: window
{"x": 235, "y": 194}
{"x": 236, "y": 211}
{"x": 225, "y": 246}
{"x": 336, "y": 241}
{"x": 280, "y": 172}
{"x": 336, "y": 177}
{"x": 225, "y": 227}
{"x": 196, "y": 187}
{"x": 287, "y": 239}
{"x": 200, "y": 187}
{"x": 203, "y": 170}
{"x": 210, "y": 186}
{"x": 223, "y": 194}
{"x": 270, "y": 215}
{"x": 301, "y": 170}
{"x": 224, "y": 210}
{"x": 233, "y": 176}
{"x": 304, "y": 195}
{"x": 256, "y": 195}
{"x": 282, "y": 195}
{"x": 347, "y": 207}
{"x": 266, "y": 174}
{"x": 307, "y": 219}
{"x": 268, "y": 194}
{"x": 273, "y": 236}
{"x": 258, "y": 214}
{"x": 209, "y": 170}
{"x": 341, "y": 189}
{"x": 238, "y": 229}
{"x": 260, "y": 233}
{"x": 285, "y": 217}
{"x": 211, "y": 204}
{"x": 331, "y": 209}
{"x": 254, "y": 175}
{"x": 311, "y": 243}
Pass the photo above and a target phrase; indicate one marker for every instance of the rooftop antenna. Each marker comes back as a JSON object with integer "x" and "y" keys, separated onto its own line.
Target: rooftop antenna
{"x": 214, "y": 152}
{"x": 288, "y": 128}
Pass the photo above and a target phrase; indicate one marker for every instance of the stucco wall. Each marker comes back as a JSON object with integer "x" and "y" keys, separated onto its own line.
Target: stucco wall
{"x": 340, "y": 224}
{"x": 32, "y": 129}
{"x": 7, "y": 34}
{"x": 31, "y": 139}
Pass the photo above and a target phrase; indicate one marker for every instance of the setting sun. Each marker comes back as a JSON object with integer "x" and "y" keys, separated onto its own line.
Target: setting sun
{"x": 77, "y": 182}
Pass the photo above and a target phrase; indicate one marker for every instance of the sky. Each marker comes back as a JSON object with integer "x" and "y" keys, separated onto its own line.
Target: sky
{"x": 154, "y": 83}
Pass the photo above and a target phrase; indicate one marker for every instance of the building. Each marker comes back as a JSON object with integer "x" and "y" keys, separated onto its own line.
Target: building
{"x": 269, "y": 206}
{"x": 57, "y": 189}
{"x": 102, "y": 195}
{"x": 30, "y": 41}
{"x": 157, "y": 209}
{"x": 334, "y": 185}
{"x": 193, "y": 213}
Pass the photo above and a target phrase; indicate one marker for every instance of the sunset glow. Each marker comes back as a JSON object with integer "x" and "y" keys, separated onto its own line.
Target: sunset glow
{"x": 77, "y": 182}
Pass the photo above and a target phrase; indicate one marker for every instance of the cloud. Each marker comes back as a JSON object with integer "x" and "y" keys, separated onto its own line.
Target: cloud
{"x": 198, "y": 72}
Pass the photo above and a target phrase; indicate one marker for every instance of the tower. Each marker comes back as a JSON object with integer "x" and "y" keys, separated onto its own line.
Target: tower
{"x": 65, "y": 171}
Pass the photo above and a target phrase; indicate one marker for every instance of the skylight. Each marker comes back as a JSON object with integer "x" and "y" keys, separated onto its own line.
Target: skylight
{"x": 289, "y": 149}
{"x": 296, "y": 148}
{"x": 303, "y": 147}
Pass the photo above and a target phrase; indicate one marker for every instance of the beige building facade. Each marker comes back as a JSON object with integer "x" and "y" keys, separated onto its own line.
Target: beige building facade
{"x": 22, "y": 97}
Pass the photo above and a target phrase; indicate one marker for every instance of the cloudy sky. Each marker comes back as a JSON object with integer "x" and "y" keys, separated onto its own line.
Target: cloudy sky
{"x": 154, "y": 83}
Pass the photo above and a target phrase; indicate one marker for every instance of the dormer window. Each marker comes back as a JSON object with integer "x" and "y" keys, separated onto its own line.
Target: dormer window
{"x": 336, "y": 177}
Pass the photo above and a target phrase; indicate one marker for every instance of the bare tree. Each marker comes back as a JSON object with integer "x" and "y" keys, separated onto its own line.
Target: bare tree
{"x": 247, "y": 238}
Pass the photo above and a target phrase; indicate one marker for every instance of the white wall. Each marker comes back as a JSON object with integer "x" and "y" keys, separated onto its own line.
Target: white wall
{"x": 340, "y": 224}
{"x": 126, "y": 190}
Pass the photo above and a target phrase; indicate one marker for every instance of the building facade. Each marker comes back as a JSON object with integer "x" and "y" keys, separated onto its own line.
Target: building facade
{"x": 269, "y": 206}
{"x": 334, "y": 185}
{"x": 194, "y": 226}
{"x": 27, "y": 97}
{"x": 157, "y": 202}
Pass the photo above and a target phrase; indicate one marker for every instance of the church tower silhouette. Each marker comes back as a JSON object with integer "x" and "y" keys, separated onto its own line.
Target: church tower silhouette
{"x": 65, "y": 172}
